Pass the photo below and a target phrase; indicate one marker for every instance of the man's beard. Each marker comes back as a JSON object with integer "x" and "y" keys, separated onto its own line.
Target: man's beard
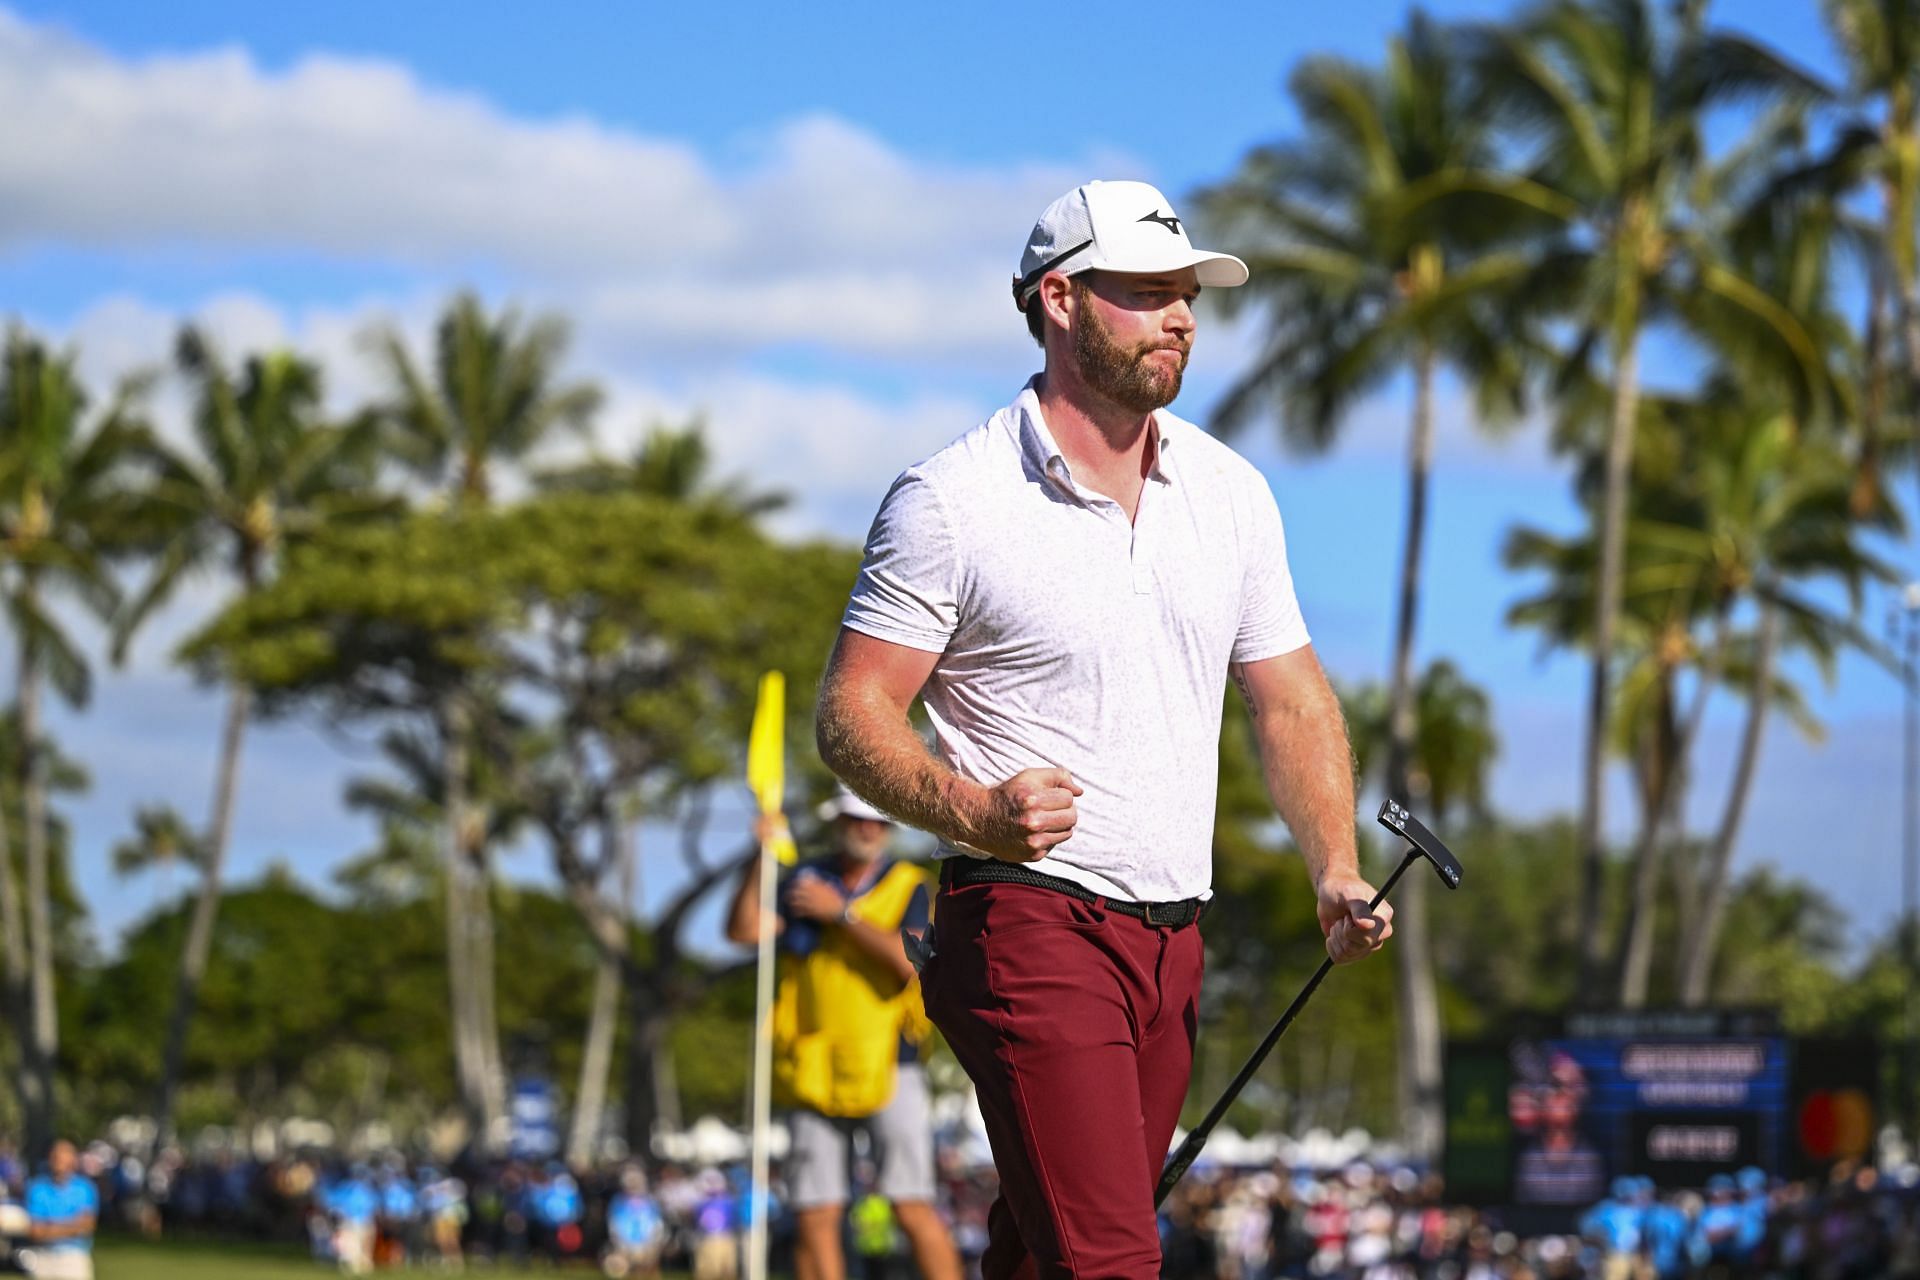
{"x": 1129, "y": 378}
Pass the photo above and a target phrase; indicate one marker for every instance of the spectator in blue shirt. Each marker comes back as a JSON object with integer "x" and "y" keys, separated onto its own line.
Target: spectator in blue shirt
{"x": 62, "y": 1208}
{"x": 636, "y": 1229}
{"x": 1719, "y": 1224}
{"x": 353, "y": 1205}
{"x": 1669, "y": 1230}
{"x": 399, "y": 1211}
{"x": 1615, "y": 1226}
{"x": 558, "y": 1207}
{"x": 1752, "y": 1233}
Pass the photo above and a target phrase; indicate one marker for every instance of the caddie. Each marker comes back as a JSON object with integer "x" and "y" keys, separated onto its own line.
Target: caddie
{"x": 847, "y": 1032}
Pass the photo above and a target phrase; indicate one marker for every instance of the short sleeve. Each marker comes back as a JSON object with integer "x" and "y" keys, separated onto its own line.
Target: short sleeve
{"x": 1270, "y": 621}
{"x": 908, "y": 591}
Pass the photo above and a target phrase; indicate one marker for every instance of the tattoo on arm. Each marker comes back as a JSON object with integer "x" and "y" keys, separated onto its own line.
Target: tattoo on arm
{"x": 1246, "y": 691}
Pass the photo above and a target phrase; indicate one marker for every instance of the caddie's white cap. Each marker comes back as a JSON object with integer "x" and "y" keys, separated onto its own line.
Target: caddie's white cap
{"x": 1117, "y": 226}
{"x": 845, "y": 804}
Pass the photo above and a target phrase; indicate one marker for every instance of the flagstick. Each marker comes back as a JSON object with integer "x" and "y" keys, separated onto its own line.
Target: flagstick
{"x": 762, "y": 1073}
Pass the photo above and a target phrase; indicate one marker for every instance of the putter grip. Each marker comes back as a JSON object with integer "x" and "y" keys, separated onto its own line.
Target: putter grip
{"x": 1182, "y": 1159}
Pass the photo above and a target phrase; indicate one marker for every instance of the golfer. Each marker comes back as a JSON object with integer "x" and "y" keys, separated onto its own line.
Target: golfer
{"x": 1069, "y": 587}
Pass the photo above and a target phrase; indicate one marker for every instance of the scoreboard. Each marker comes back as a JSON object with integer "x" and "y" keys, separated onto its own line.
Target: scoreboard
{"x": 1552, "y": 1114}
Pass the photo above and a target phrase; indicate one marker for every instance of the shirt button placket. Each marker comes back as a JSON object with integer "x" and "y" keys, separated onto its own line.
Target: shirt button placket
{"x": 1138, "y": 551}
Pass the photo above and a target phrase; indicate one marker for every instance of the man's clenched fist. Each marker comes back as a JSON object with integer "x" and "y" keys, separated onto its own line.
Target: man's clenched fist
{"x": 1027, "y": 815}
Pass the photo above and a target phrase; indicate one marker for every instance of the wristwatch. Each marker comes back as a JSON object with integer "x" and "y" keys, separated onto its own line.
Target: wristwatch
{"x": 846, "y": 912}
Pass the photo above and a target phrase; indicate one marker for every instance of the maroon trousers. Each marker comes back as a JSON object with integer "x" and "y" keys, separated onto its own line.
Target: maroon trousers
{"x": 1077, "y": 1027}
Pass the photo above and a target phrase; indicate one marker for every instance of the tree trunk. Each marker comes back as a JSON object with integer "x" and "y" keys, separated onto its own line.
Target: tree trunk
{"x": 589, "y": 1102}
{"x": 471, "y": 1063}
{"x": 28, "y": 1081}
{"x": 1899, "y": 193}
{"x": 42, "y": 1044}
{"x": 1419, "y": 999}
{"x": 1636, "y": 956}
{"x": 193, "y": 960}
{"x": 480, "y": 959}
{"x": 666, "y": 1086}
{"x": 1698, "y": 944}
{"x": 1606, "y": 611}
{"x": 646, "y": 1033}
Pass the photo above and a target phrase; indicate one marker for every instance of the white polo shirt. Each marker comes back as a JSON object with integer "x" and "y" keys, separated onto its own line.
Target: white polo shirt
{"x": 1069, "y": 637}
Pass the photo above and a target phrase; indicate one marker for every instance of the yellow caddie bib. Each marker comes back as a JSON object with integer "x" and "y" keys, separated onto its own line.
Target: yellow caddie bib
{"x": 836, "y": 1028}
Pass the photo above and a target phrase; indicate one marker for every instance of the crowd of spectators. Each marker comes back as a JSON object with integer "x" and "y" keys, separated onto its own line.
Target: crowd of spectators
{"x": 1360, "y": 1222}
{"x": 1365, "y": 1223}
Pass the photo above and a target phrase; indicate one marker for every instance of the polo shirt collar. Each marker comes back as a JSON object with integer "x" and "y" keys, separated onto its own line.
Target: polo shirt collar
{"x": 1038, "y": 446}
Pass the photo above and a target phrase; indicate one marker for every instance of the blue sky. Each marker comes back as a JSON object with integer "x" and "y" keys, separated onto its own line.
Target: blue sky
{"x": 796, "y": 219}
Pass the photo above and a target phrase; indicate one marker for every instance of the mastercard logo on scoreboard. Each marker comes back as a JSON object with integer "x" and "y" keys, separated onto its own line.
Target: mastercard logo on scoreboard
{"x": 1836, "y": 1124}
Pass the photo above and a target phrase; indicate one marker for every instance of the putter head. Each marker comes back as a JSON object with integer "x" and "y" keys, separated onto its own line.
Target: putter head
{"x": 1397, "y": 819}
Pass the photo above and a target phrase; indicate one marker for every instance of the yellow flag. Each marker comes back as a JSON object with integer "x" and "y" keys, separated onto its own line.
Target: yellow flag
{"x": 767, "y": 761}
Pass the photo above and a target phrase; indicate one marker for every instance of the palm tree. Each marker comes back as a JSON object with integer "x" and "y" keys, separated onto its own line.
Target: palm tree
{"x": 1740, "y": 506}
{"x": 263, "y": 471}
{"x": 1607, "y": 97}
{"x": 495, "y": 395}
{"x": 1784, "y": 240}
{"x": 1663, "y": 599}
{"x": 1879, "y": 42}
{"x": 1359, "y": 284}
{"x": 675, "y": 463}
{"x": 62, "y": 518}
{"x": 1778, "y": 514}
{"x": 1454, "y": 745}
{"x": 420, "y": 800}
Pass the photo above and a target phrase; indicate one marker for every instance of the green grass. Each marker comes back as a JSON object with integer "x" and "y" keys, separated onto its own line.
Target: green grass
{"x": 121, "y": 1259}
{"x": 129, "y": 1260}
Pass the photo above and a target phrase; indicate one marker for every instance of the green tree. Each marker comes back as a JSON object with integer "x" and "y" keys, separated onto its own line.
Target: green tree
{"x": 1454, "y": 742}
{"x": 675, "y": 463}
{"x": 263, "y": 470}
{"x": 1699, "y": 507}
{"x": 1361, "y": 279}
{"x": 494, "y": 395}
{"x": 1778, "y": 517}
{"x": 62, "y": 519}
{"x": 623, "y": 638}
{"x": 1607, "y": 98}
{"x": 336, "y": 1010}
{"x": 1754, "y": 510}
{"x": 1332, "y": 1070}
{"x": 1879, "y": 42}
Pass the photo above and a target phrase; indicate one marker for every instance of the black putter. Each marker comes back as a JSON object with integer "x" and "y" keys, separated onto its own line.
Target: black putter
{"x": 1421, "y": 843}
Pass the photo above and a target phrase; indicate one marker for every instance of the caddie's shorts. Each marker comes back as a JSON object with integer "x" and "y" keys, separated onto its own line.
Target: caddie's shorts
{"x": 1077, "y": 1025}
{"x": 820, "y": 1161}
{"x": 57, "y": 1264}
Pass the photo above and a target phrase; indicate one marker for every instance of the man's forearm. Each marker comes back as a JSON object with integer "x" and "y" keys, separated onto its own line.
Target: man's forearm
{"x": 49, "y": 1232}
{"x": 744, "y": 920}
{"x": 1308, "y": 765}
{"x": 882, "y": 944}
{"x": 871, "y": 746}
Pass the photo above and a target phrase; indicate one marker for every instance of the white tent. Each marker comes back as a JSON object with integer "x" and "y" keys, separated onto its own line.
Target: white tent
{"x": 710, "y": 1140}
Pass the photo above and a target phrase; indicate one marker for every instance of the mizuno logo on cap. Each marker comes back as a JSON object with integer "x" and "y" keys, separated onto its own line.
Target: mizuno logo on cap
{"x": 1166, "y": 220}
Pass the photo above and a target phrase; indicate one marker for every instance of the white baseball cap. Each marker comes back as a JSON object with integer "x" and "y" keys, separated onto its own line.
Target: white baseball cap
{"x": 1117, "y": 226}
{"x": 845, "y": 804}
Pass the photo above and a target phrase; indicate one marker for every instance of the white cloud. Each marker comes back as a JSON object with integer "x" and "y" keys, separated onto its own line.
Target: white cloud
{"x": 833, "y": 446}
{"x": 829, "y": 236}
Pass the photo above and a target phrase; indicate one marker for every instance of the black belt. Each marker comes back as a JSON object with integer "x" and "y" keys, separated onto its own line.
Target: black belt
{"x": 957, "y": 872}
